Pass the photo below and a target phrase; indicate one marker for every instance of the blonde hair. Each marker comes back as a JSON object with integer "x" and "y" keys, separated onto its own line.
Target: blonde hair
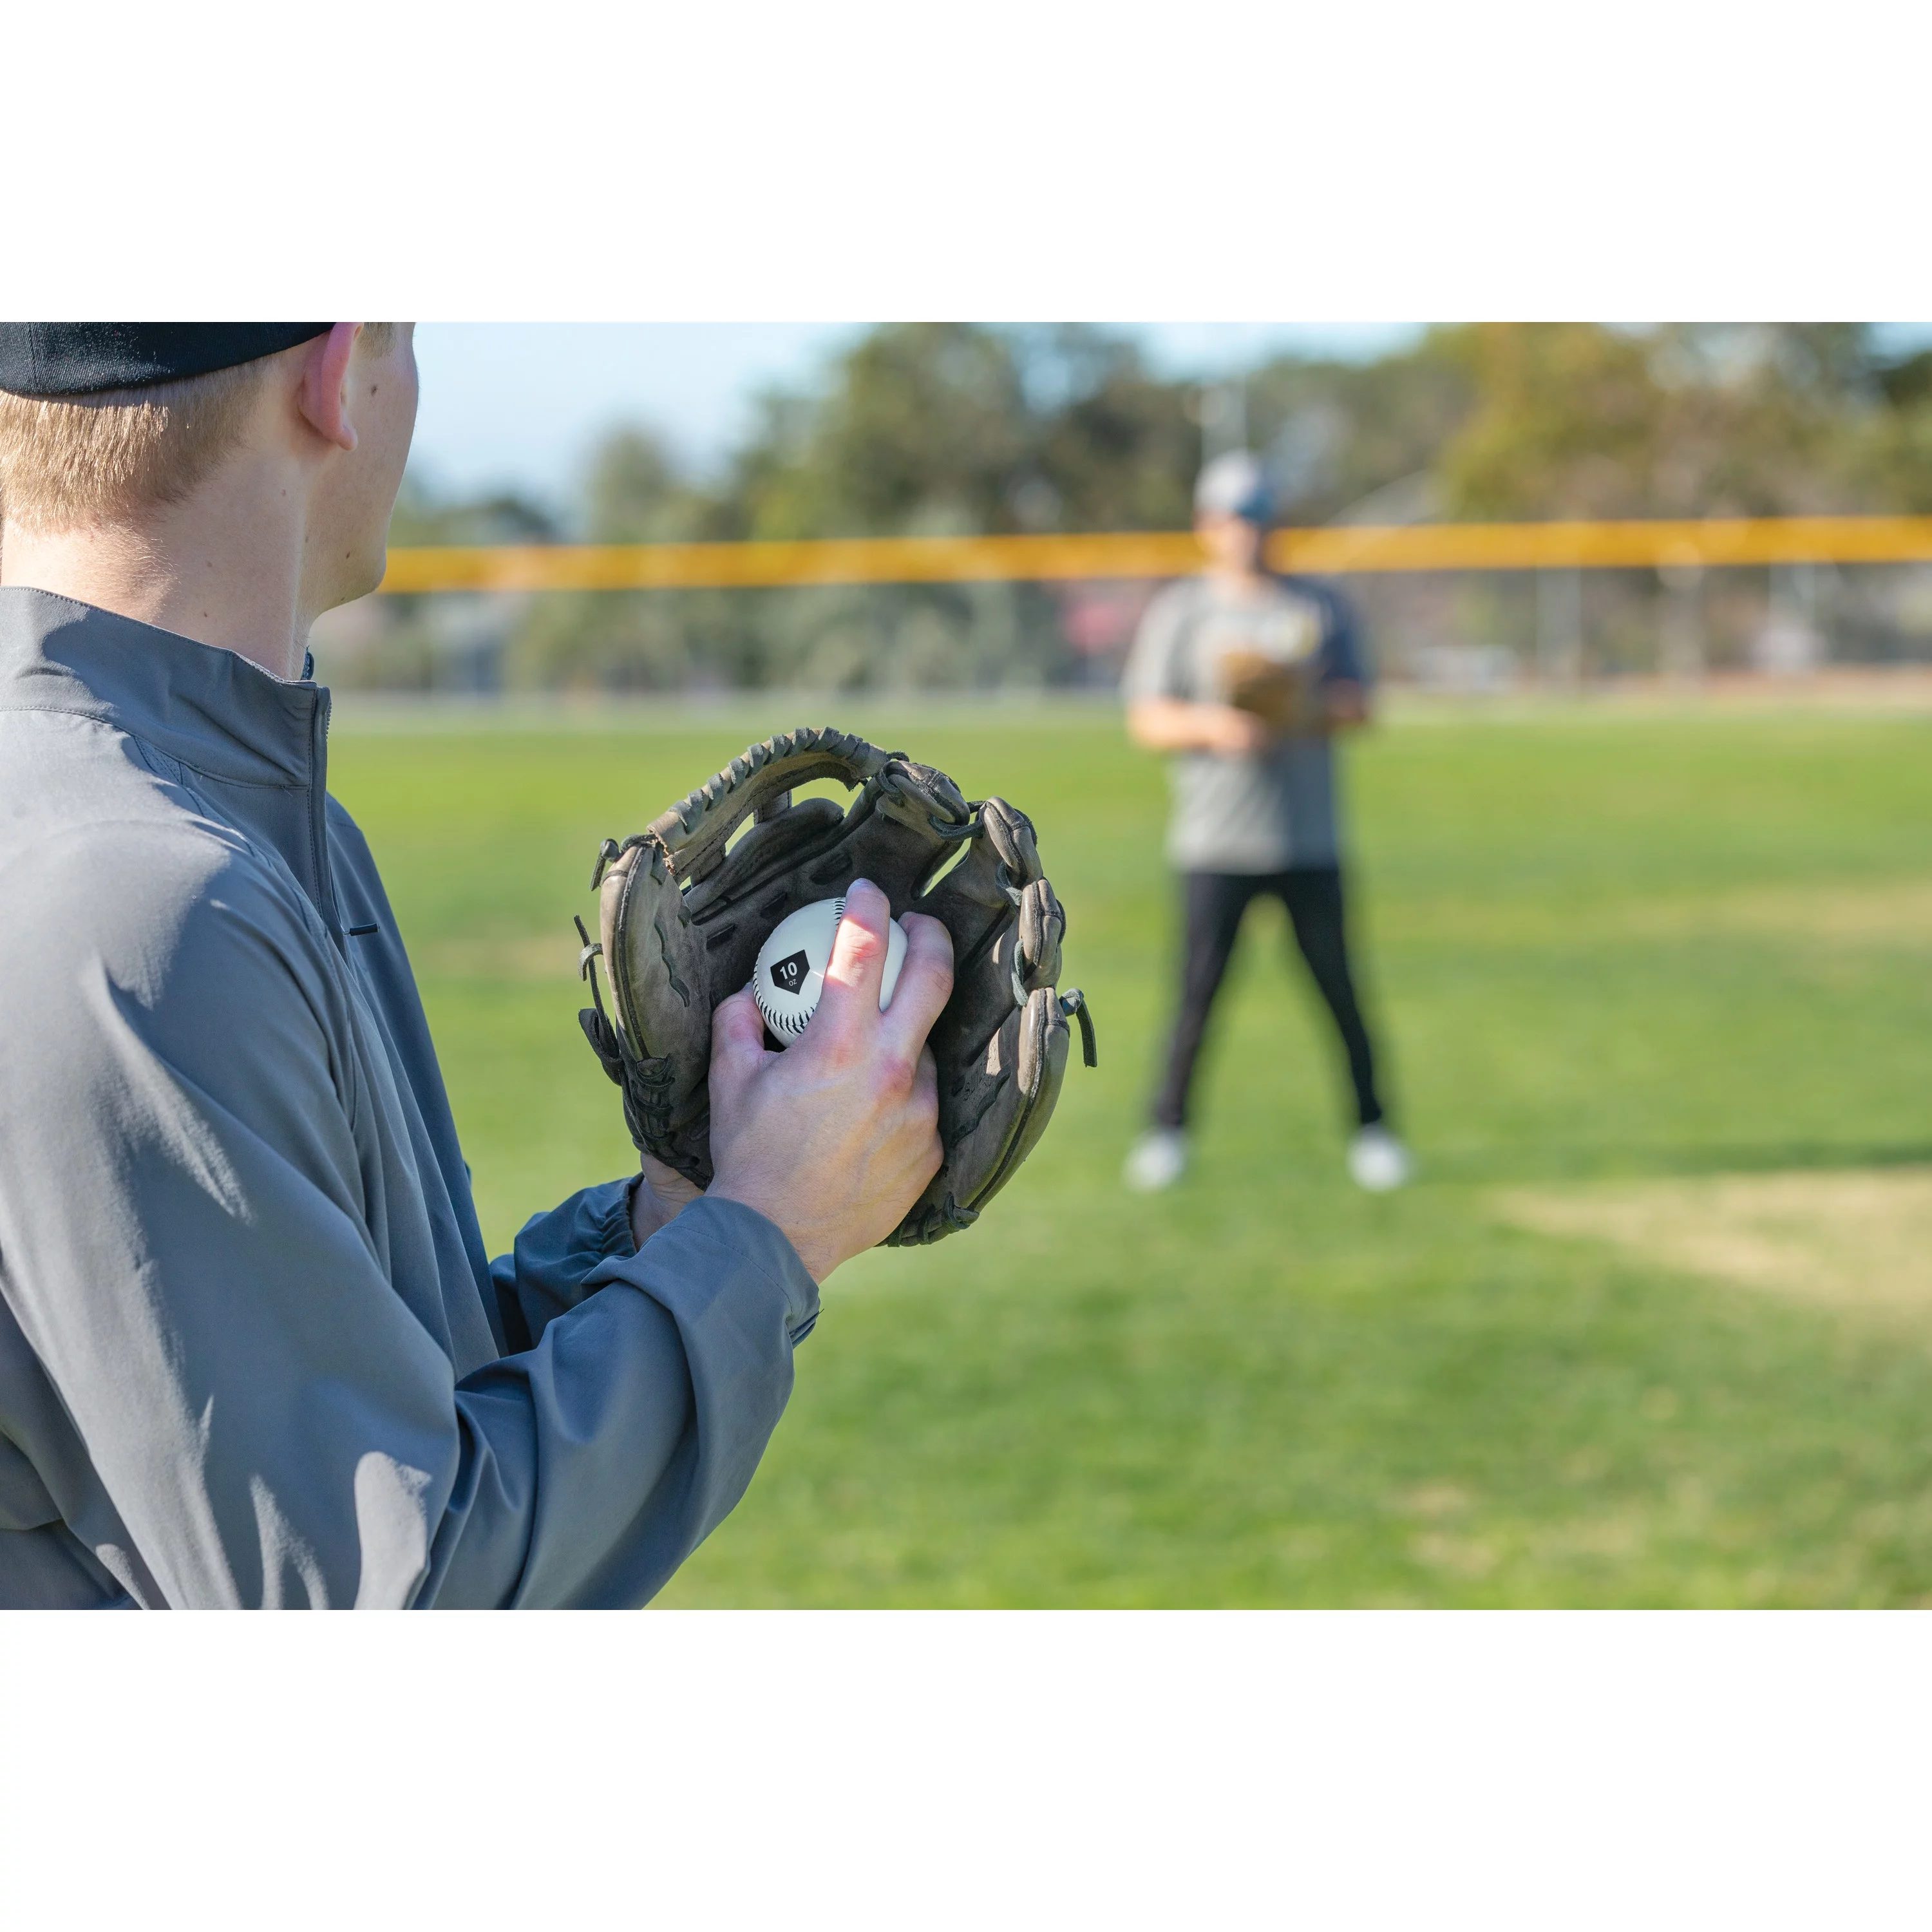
{"x": 68, "y": 462}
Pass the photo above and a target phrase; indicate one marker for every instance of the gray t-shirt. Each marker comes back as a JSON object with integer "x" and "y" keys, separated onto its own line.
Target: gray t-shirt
{"x": 1276, "y": 809}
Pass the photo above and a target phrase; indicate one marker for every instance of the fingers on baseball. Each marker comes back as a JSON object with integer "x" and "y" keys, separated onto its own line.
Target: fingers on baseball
{"x": 851, "y": 993}
{"x": 925, "y": 983}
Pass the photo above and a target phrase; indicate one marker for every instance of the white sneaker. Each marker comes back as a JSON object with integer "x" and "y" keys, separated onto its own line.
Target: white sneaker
{"x": 1377, "y": 1161}
{"x": 1158, "y": 1159}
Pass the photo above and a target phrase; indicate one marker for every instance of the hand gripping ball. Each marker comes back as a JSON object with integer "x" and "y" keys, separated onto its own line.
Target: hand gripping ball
{"x": 790, "y": 974}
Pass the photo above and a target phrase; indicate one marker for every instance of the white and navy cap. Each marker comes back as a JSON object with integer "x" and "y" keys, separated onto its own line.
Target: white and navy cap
{"x": 1235, "y": 485}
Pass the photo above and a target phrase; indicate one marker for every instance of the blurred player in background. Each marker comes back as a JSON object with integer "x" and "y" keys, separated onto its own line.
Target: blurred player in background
{"x": 1245, "y": 677}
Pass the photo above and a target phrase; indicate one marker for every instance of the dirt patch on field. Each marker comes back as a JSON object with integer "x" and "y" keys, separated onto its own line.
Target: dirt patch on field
{"x": 1883, "y": 914}
{"x": 1859, "y": 1241}
{"x": 1887, "y": 912}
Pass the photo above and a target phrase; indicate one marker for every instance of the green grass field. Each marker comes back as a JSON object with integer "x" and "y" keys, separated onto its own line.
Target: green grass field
{"x": 1601, "y": 947}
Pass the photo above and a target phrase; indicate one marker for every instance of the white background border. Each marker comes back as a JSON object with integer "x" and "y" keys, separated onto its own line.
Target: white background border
{"x": 1016, "y": 158}
{"x": 972, "y": 1770}
{"x": 1124, "y": 161}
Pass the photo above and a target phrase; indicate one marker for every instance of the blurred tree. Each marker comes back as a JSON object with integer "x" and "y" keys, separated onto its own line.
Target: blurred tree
{"x": 1579, "y": 420}
{"x": 988, "y": 429}
{"x": 1336, "y": 433}
{"x": 942, "y": 427}
{"x": 946, "y": 427}
{"x": 1115, "y": 448}
{"x": 423, "y": 516}
{"x": 633, "y": 493}
{"x": 1562, "y": 422}
{"x": 918, "y": 417}
{"x": 632, "y": 641}
{"x": 436, "y": 643}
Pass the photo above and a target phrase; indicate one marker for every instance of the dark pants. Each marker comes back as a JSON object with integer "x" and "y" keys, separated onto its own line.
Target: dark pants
{"x": 1214, "y": 904}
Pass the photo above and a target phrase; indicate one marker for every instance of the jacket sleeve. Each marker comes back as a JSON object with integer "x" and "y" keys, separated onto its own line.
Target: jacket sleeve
{"x": 193, "y": 1244}
{"x": 593, "y": 1463}
{"x": 547, "y": 1272}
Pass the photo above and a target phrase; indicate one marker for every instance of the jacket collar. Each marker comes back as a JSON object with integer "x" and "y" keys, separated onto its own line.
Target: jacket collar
{"x": 259, "y": 745}
{"x": 212, "y": 710}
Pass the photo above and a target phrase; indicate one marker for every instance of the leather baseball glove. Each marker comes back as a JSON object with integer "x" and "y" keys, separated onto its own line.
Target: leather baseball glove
{"x": 1283, "y": 696}
{"x": 684, "y": 911}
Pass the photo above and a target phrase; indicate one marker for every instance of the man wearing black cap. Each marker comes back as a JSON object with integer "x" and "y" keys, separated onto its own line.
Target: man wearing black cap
{"x": 1245, "y": 677}
{"x": 251, "y": 1349}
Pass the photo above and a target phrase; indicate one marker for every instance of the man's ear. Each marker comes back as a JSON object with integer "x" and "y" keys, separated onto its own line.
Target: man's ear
{"x": 323, "y": 396}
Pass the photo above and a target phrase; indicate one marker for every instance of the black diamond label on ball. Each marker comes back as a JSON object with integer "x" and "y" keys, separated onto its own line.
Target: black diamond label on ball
{"x": 788, "y": 975}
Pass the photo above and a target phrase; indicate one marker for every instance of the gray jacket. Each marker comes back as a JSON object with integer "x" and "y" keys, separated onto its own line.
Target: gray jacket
{"x": 251, "y": 1349}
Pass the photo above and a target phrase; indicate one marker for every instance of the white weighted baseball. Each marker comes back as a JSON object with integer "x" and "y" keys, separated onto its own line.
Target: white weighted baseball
{"x": 790, "y": 972}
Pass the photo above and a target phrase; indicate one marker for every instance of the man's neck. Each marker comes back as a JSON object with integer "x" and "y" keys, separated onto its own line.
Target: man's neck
{"x": 224, "y": 568}
{"x": 1238, "y": 586}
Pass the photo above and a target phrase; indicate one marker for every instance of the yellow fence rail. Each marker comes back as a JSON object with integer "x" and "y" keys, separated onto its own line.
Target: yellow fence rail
{"x": 1338, "y": 550}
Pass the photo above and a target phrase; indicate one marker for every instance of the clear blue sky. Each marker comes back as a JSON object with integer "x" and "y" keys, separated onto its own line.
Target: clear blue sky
{"x": 520, "y": 403}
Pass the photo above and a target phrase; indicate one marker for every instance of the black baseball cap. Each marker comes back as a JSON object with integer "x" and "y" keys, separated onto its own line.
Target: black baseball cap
{"x": 44, "y": 359}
